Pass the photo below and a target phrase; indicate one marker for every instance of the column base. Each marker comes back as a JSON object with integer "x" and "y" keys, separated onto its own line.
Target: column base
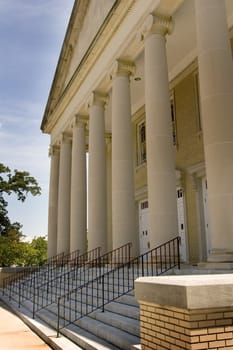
{"x": 220, "y": 256}
{"x": 216, "y": 266}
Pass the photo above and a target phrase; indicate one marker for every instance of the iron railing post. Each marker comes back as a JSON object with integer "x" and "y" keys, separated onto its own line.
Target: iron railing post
{"x": 178, "y": 251}
{"x": 142, "y": 265}
{"x": 19, "y": 293}
{"x": 34, "y": 297}
{"x": 58, "y": 317}
{"x": 103, "y": 293}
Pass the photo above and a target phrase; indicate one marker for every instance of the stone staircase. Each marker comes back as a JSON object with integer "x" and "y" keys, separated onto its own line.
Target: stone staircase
{"x": 117, "y": 327}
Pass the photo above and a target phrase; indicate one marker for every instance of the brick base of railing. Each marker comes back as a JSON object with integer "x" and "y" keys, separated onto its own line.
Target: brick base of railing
{"x": 186, "y": 312}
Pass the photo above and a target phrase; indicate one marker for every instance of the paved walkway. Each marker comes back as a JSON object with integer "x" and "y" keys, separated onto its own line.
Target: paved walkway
{"x": 16, "y": 335}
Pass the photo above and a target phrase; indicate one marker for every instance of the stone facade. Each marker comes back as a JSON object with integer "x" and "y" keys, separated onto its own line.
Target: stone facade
{"x": 148, "y": 182}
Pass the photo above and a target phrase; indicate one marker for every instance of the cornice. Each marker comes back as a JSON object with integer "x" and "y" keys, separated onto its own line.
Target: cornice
{"x": 122, "y": 12}
{"x": 118, "y": 12}
{"x": 71, "y": 36}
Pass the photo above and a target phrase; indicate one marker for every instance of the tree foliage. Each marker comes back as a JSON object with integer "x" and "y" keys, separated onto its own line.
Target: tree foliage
{"x": 21, "y": 183}
{"x": 15, "y": 252}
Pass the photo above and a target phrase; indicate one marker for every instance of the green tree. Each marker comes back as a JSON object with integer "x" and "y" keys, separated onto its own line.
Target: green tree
{"x": 15, "y": 252}
{"x": 40, "y": 246}
{"x": 20, "y": 183}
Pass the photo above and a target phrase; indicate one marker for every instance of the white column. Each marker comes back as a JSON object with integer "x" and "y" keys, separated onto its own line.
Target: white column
{"x": 97, "y": 219}
{"x": 123, "y": 201}
{"x": 160, "y": 151}
{"x": 53, "y": 198}
{"x": 216, "y": 94}
{"x": 63, "y": 222}
{"x": 78, "y": 211}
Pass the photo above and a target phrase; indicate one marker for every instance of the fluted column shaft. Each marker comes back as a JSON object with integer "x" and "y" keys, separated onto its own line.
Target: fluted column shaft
{"x": 123, "y": 202}
{"x": 63, "y": 222}
{"x": 97, "y": 217}
{"x": 160, "y": 151}
{"x": 53, "y": 201}
{"x": 78, "y": 211}
{"x": 216, "y": 94}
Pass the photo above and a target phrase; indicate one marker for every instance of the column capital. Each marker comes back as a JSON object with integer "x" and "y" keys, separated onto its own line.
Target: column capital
{"x": 156, "y": 24}
{"x": 79, "y": 120}
{"x": 121, "y": 67}
{"x": 65, "y": 138}
{"x": 54, "y": 150}
{"x": 96, "y": 98}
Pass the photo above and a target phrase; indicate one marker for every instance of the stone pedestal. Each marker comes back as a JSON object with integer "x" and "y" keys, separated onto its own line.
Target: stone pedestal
{"x": 186, "y": 312}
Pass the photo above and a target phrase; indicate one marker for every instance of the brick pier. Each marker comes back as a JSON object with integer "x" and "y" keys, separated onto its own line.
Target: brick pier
{"x": 186, "y": 312}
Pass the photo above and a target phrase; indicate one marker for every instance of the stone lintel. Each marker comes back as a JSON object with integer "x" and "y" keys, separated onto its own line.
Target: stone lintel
{"x": 186, "y": 292}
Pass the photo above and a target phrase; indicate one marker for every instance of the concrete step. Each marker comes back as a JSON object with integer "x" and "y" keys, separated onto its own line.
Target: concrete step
{"x": 103, "y": 328}
{"x": 121, "y": 309}
{"x": 47, "y": 333}
{"x": 108, "y": 330}
{"x": 79, "y": 335}
{"x": 118, "y": 321}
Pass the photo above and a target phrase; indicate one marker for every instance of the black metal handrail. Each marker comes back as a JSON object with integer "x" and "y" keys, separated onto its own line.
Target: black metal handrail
{"x": 47, "y": 292}
{"x": 26, "y": 272}
{"x": 85, "y": 271}
{"x": 22, "y": 284}
{"x": 109, "y": 286}
{"x": 27, "y": 287}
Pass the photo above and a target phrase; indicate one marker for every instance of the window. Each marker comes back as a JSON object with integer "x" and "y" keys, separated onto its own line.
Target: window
{"x": 197, "y": 102}
{"x": 141, "y": 143}
{"x": 173, "y": 116}
{"x": 144, "y": 205}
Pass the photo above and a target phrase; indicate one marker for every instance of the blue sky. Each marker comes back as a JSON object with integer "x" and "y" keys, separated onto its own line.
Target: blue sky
{"x": 31, "y": 36}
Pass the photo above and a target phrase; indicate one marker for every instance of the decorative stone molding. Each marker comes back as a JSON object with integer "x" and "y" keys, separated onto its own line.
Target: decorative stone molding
{"x": 54, "y": 150}
{"x": 156, "y": 24}
{"x": 108, "y": 138}
{"x": 196, "y": 172}
{"x": 96, "y": 98}
{"x": 79, "y": 120}
{"x": 121, "y": 67}
{"x": 65, "y": 138}
{"x": 179, "y": 178}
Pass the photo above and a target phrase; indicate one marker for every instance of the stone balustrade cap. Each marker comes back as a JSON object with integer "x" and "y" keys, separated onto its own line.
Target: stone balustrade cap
{"x": 186, "y": 292}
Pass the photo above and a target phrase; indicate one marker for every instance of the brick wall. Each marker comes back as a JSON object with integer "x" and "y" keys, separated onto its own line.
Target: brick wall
{"x": 174, "y": 328}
